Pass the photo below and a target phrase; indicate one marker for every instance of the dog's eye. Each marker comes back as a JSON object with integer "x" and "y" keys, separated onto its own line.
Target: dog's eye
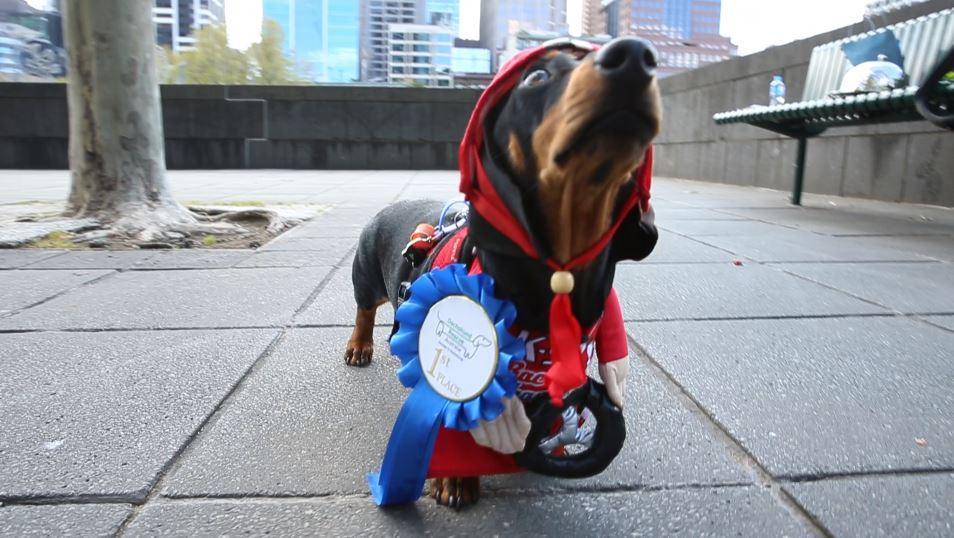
{"x": 536, "y": 78}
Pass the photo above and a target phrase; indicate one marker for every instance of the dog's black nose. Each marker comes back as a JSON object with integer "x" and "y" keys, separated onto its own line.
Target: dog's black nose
{"x": 628, "y": 60}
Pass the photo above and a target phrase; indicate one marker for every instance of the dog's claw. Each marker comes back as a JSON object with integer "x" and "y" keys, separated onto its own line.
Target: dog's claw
{"x": 358, "y": 353}
{"x": 455, "y": 492}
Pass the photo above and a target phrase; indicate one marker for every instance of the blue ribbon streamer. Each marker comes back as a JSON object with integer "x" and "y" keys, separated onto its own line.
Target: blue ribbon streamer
{"x": 408, "y": 454}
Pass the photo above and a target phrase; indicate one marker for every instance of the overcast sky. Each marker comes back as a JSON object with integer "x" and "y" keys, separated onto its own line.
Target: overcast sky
{"x": 754, "y": 25}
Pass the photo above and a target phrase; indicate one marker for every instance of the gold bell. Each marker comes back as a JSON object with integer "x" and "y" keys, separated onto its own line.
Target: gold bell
{"x": 561, "y": 282}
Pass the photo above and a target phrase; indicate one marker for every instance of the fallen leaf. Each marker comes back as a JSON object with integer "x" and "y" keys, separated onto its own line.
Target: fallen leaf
{"x": 920, "y": 441}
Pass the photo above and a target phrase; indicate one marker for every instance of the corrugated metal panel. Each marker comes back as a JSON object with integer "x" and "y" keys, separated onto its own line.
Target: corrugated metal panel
{"x": 924, "y": 44}
{"x": 923, "y": 40}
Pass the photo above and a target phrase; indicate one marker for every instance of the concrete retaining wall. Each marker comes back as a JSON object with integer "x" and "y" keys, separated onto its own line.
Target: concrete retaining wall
{"x": 332, "y": 127}
{"x": 912, "y": 162}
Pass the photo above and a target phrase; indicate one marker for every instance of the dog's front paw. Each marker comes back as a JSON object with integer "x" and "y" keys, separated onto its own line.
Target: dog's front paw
{"x": 455, "y": 492}
{"x": 359, "y": 352}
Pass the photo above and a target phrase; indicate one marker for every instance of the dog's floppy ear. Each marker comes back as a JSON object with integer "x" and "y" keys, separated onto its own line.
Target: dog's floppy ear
{"x": 508, "y": 144}
{"x": 637, "y": 235}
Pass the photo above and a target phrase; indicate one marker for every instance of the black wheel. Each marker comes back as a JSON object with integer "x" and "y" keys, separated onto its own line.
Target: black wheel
{"x": 578, "y": 440}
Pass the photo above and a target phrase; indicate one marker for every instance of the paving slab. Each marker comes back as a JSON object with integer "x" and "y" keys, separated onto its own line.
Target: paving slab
{"x": 904, "y": 287}
{"x": 903, "y": 505}
{"x": 704, "y": 512}
{"x": 194, "y": 259}
{"x": 662, "y": 292}
{"x": 430, "y": 192}
{"x": 22, "y": 288}
{"x": 11, "y": 259}
{"x": 323, "y": 230}
{"x": 94, "y": 259}
{"x": 708, "y": 200}
{"x": 813, "y": 397}
{"x": 705, "y": 228}
{"x": 332, "y": 249}
{"x": 63, "y": 520}
{"x": 664, "y": 215}
{"x": 900, "y": 219}
{"x": 938, "y": 247}
{"x": 102, "y": 413}
{"x": 177, "y": 299}
{"x": 306, "y": 424}
{"x": 335, "y": 304}
{"x": 801, "y": 246}
{"x": 370, "y": 197}
{"x": 288, "y": 258}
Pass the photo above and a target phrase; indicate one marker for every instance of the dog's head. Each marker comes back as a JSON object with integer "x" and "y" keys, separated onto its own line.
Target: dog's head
{"x": 571, "y": 133}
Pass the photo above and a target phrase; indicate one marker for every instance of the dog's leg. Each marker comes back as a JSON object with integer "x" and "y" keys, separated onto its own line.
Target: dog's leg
{"x": 361, "y": 344}
{"x": 455, "y": 492}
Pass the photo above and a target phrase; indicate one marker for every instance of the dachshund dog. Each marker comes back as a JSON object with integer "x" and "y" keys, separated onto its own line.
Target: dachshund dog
{"x": 567, "y": 138}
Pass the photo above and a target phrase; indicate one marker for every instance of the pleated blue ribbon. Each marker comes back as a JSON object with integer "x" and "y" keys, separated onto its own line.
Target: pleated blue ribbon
{"x": 408, "y": 454}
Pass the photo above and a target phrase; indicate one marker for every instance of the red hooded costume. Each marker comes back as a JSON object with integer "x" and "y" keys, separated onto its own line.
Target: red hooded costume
{"x": 556, "y": 362}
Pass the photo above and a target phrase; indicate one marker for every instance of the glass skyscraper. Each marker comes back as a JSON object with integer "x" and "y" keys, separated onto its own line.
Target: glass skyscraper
{"x": 678, "y": 16}
{"x": 533, "y": 15}
{"x": 684, "y": 32}
{"x": 685, "y": 19}
{"x": 444, "y": 13}
{"x": 321, "y": 36}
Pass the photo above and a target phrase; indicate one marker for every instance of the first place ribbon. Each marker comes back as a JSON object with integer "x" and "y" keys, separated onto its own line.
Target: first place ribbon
{"x": 455, "y": 349}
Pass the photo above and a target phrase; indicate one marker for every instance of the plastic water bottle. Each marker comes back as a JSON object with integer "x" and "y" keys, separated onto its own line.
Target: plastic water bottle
{"x": 777, "y": 91}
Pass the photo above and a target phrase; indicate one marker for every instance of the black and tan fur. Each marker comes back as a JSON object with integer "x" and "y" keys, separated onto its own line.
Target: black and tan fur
{"x": 569, "y": 144}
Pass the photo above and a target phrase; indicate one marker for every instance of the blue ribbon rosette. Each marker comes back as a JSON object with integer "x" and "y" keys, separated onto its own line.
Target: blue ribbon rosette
{"x": 455, "y": 349}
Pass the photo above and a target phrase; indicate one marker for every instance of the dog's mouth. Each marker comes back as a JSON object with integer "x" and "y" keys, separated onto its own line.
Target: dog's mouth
{"x": 627, "y": 129}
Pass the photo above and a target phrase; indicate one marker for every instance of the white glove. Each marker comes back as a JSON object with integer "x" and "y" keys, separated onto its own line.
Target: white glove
{"x": 613, "y": 375}
{"x": 507, "y": 433}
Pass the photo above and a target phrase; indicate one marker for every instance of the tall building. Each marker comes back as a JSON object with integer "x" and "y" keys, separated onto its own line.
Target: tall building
{"x": 530, "y": 15}
{"x": 321, "y": 36}
{"x": 420, "y": 55}
{"x": 680, "y": 18}
{"x": 177, "y": 20}
{"x": 443, "y": 13}
{"x": 375, "y": 17}
{"x": 594, "y": 22}
{"x": 525, "y": 39}
{"x": 471, "y": 63}
{"x": 685, "y": 33}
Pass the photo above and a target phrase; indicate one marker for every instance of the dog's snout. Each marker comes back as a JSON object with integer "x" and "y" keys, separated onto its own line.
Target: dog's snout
{"x": 628, "y": 60}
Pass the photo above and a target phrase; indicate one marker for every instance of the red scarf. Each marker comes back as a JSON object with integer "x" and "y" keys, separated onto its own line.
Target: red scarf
{"x": 567, "y": 370}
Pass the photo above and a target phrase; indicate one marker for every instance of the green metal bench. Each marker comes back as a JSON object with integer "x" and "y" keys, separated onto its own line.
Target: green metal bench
{"x": 927, "y": 44}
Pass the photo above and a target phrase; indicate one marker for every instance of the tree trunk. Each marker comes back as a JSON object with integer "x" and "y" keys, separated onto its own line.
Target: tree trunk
{"x": 116, "y": 143}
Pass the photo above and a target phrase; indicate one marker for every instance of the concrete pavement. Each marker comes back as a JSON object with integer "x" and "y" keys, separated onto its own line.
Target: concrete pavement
{"x": 805, "y": 391}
